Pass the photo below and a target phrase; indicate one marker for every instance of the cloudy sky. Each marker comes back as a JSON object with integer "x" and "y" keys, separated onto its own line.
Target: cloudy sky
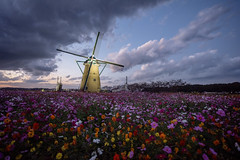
{"x": 158, "y": 40}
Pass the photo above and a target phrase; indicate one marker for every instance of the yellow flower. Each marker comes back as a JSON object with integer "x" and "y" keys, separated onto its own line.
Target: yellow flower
{"x": 59, "y": 156}
{"x": 164, "y": 141}
{"x": 225, "y": 147}
{"x": 201, "y": 124}
{"x": 49, "y": 149}
{"x": 13, "y": 142}
{"x": 19, "y": 156}
{"x": 106, "y": 144}
{"x": 157, "y": 134}
{"x": 114, "y": 146}
{"x": 33, "y": 149}
{"x": 173, "y": 121}
{"x": 127, "y": 139}
{"x": 74, "y": 137}
{"x": 55, "y": 142}
{"x": 65, "y": 147}
{"x": 31, "y": 133}
{"x": 50, "y": 134}
{"x": 112, "y": 139}
{"x": 118, "y": 133}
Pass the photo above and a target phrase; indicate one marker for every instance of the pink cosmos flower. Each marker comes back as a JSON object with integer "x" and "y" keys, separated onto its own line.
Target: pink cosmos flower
{"x": 167, "y": 149}
{"x": 201, "y": 144}
{"x": 154, "y": 125}
{"x": 205, "y": 157}
{"x": 171, "y": 126}
{"x": 200, "y": 118}
{"x": 213, "y": 152}
{"x": 197, "y": 128}
{"x": 155, "y": 119}
{"x": 221, "y": 112}
{"x": 131, "y": 154}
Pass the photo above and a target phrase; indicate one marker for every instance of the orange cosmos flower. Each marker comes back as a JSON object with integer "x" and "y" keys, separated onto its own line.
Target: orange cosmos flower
{"x": 130, "y": 134}
{"x": 96, "y": 130}
{"x": 216, "y": 142}
{"x": 74, "y": 142}
{"x": 162, "y": 136}
{"x": 96, "y": 135}
{"x": 31, "y": 133}
{"x": 193, "y": 139}
{"x": 88, "y": 118}
{"x": 52, "y": 117}
{"x": 87, "y": 136}
{"x": 7, "y": 120}
{"x": 199, "y": 151}
{"x": 117, "y": 114}
{"x": 114, "y": 119}
{"x": 66, "y": 129}
{"x": 103, "y": 116}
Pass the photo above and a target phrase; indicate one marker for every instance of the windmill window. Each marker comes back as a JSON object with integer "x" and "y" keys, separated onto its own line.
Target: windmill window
{"x": 94, "y": 79}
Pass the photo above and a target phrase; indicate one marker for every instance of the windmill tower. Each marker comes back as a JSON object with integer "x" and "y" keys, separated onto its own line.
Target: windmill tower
{"x": 91, "y": 77}
{"x": 59, "y": 84}
{"x": 126, "y": 85}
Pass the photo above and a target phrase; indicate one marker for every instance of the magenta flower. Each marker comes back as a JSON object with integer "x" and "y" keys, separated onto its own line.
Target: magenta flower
{"x": 205, "y": 157}
{"x": 161, "y": 156}
{"x": 167, "y": 149}
{"x": 197, "y": 128}
{"x": 221, "y": 112}
{"x": 200, "y": 118}
{"x": 171, "y": 126}
{"x": 131, "y": 154}
{"x": 154, "y": 125}
{"x": 201, "y": 144}
{"x": 213, "y": 152}
{"x": 155, "y": 119}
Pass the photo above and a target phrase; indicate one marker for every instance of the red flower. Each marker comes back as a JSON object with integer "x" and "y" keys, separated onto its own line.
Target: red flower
{"x": 116, "y": 157}
{"x": 35, "y": 126}
{"x": 182, "y": 142}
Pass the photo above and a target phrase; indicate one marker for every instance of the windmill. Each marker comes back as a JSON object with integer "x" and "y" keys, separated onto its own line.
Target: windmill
{"x": 91, "y": 77}
{"x": 59, "y": 84}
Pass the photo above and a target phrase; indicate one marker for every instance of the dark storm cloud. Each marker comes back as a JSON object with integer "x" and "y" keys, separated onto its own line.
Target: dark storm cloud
{"x": 31, "y": 30}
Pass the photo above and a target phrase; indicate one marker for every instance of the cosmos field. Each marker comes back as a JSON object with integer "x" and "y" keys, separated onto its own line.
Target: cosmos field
{"x": 124, "y": 125}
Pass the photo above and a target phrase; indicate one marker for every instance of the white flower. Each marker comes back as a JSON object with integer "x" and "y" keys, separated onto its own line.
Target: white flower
{"x": 96, "y": 141}
{"x": 237, "y": 146}
{"x": 100, "y": 151}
